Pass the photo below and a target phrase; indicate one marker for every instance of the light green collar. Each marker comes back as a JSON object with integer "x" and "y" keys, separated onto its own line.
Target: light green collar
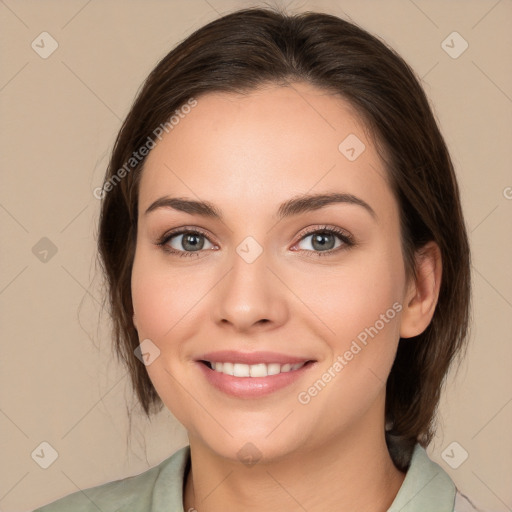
{"x": 426, "y": 488}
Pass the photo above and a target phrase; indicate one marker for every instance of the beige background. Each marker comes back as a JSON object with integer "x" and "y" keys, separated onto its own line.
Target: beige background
{"x": 59, "y": 116}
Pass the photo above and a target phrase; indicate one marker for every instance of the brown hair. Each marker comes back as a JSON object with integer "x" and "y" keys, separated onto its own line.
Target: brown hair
{"x": 253, "y": 47}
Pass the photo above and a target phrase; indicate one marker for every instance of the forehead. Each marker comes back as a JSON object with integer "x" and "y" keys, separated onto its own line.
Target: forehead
{"x": 254, "y": 149}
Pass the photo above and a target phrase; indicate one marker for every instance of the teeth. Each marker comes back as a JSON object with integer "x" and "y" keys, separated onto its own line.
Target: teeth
{"x": 257, "y": 370}
{"x": 239, "y": 370}
{"x": 226, "y": 368}
{"x": 254, "y": 370}
{"x": 273, "y": 368}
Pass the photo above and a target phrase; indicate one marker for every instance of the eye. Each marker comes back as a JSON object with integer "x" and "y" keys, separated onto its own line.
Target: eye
{"x": 326, "y": 240}
{"x": 319, "y": 241}
{"x": 185, "y": 242}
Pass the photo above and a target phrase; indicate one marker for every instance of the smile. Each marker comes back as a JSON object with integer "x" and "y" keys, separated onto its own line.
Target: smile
{"x": 255, "y": 380}
{"x": 253, "y": 370}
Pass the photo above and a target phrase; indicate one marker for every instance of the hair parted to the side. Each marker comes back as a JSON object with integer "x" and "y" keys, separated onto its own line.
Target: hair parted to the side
{"x": 254, "y": 47}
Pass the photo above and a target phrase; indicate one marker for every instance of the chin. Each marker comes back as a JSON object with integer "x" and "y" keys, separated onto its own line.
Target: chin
{"x": 250, "y": 444}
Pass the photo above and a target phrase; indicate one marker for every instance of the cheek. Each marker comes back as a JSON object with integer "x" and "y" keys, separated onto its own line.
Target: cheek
{"x": 362, "y": 308}
{"x": 161, "y": 304}
{"x": 152, "y": 303}
{"x": 161, "y": 296}
{"x": 359, "y": 307}
{"x": 355, "y": 295}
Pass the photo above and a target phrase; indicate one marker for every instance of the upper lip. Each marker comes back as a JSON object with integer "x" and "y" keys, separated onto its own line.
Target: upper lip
{"x": 233, "y": 356}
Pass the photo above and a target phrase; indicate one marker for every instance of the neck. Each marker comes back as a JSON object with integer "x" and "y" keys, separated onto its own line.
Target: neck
{"x": 352, "y": 472}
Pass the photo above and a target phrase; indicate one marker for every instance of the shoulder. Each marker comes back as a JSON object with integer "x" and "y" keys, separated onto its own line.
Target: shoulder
{"x": 426, "y": 486}
{"x": 163, "y": 482}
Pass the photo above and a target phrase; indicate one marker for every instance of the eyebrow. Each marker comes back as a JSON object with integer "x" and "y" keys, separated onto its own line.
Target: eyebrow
{"x": 294, "y": 206}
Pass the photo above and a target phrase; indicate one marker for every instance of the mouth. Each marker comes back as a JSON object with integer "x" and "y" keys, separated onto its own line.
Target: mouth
{"x": 253, "y": 370}
{"x": 252, "y": 375}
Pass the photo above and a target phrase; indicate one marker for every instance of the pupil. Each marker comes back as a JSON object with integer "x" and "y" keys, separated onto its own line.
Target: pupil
{"x": 320, "y": 239}
{"x": 189, "y": 244}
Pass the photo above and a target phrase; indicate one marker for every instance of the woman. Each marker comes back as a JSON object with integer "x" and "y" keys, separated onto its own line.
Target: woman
{"x": 288, "y": 268}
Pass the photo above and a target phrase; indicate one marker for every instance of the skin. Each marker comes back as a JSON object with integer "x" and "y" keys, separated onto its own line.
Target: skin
{"x": 246, "y": 154}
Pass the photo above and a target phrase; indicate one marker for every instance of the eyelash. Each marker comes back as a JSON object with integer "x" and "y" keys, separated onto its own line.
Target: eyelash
{"x": 345, "y": 237}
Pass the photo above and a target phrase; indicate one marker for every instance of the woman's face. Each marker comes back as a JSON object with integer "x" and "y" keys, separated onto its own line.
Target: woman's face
{"x": 268, "y": 273}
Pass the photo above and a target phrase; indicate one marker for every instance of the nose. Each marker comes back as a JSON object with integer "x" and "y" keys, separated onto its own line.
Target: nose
{"x": 250, "y": 296}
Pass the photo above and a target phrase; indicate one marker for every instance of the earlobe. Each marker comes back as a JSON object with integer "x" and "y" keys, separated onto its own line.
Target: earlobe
{"x": 423, "y": 292}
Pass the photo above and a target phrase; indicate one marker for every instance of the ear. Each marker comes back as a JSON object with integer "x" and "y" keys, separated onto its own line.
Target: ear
{"x": 422, "y": 293}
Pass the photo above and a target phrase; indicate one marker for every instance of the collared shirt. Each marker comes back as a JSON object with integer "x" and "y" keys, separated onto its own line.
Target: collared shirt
{"x": 426, "y": 488}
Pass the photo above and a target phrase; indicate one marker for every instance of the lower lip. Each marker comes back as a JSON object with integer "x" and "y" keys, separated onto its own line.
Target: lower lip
{"x": 252, "y": 387}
